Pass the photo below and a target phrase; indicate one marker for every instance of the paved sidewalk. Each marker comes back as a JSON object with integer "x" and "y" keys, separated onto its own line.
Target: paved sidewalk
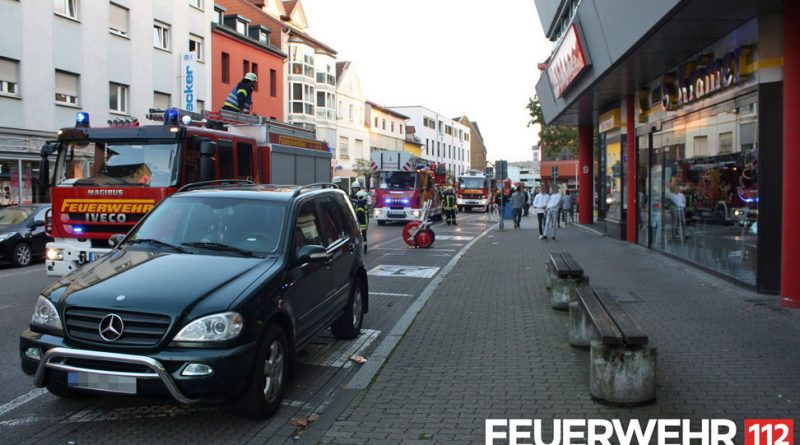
{"x": 488, "y": 345}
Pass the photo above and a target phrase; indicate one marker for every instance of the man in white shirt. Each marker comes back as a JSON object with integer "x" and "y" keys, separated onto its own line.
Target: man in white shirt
{"x": 539, "y": 203}
{"x": 553, "y": 205}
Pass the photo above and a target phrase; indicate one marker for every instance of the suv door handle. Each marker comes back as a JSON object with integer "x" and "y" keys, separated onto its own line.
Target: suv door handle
{"x": 351, "y": 247}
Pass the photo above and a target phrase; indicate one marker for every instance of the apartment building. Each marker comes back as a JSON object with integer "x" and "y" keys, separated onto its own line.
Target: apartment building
{"x": 444, "y": 140}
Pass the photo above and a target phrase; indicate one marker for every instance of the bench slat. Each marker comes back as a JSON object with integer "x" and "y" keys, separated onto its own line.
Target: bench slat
{"x": 631, "y": 331}
{"x": 559, "y": 265}
{"x": 575, "y": 270}
{"x": 609, "y": 334}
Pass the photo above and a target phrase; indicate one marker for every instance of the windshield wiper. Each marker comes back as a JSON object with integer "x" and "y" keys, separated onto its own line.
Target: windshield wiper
{"x": 158, "y": 243}
{"x": 219, "y": 246}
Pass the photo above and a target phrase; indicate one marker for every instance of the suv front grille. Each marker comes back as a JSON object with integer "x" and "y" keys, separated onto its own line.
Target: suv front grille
{"x": 139, "y": 329}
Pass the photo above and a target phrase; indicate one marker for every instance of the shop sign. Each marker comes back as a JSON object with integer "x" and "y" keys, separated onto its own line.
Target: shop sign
{"x": 704, "y": 76}
{"x": 609, "y": 120}
{"x": 568, "y": 61}
{"x": 188, "y": 69}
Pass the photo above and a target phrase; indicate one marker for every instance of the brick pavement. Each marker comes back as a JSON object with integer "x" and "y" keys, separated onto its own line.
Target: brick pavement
{"x": 487, "y": 345}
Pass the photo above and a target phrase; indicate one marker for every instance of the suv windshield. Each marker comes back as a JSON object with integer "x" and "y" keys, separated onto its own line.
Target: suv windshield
{"x": 250, "y": 225}
{"x": 118, "y": 163}
{"x": 398, "y": 181}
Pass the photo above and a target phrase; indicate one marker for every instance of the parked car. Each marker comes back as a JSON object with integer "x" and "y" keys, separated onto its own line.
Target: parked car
{"x": 209, "y": 297}
{"x": 22, "y": 235}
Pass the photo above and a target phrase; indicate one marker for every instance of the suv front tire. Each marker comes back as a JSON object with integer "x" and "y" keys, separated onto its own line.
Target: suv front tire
{"x": 348, "y": 325}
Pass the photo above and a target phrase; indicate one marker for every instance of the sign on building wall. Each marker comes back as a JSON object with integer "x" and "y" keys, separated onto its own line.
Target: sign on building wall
{"x": 188, "y": 81}
{"x": 569, "y": 61}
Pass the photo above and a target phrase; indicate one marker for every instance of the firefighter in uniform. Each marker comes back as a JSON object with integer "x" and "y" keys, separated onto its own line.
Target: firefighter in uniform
{"x": 449, "y": 206}
{"x": 362, "y": 213}
{"x": 240, "y": 98}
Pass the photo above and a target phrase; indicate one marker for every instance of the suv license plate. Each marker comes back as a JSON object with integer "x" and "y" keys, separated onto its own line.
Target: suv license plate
{"x": 102, "y": 382}
{"x": 397, "y": 213}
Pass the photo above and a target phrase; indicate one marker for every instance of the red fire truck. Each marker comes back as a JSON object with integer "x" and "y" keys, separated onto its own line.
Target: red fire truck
{"x": 104, "y": 180}
{"x": 473, "y": 191}
{"x": 403, "y": 183}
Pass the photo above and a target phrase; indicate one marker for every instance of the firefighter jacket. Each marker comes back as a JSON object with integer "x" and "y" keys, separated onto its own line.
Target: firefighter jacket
{"x": 449, "y": 202}
{"x": 362, "y": 213}
{"x": 240, "y": 98}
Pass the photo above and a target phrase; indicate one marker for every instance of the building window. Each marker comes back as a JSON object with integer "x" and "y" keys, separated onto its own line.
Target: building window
{"x": 218, "y": 17}
{"x": 350, "y": 113}
{"x": 196, "y": 3}
{"x": 226, "y": 68}
{"x": 161, "y": 35}
{"x": 8, "y": 77}
{"x": 344, "y": 148}
{"x": 376, "y": 123}
{"x": 401, "y": 128}
{"x": 383, "y": 124}
{"x": 66, "y": 88}
{"x": 255, "y": 71}
{"x": 245, "y": 67}
{"x": 302, "y": 61}
{"x": 273, "y": 83}
{"x": 241, "y": 27}
{"x": 67, "y": 8}
{"x": 302, "y": 99}
{"x": 196, "y": 47}
{"x": 263, "y": 37}
{"x": 161, "y": 100}
{"x": 118, "y": 20}
{"x": 118, "y": 97}
{"x": 201, "y": 105}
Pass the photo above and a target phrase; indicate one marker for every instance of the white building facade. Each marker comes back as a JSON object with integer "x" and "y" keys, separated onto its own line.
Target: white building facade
{"x": 387, "y": 128}
{"x": 108, "y": 58}
{"x": 351, "y": 128}
{"x": 444, "y": 140}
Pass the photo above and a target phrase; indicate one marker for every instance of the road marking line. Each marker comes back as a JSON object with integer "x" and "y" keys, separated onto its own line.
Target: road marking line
{"x": 454, "y": 238}
{"x": 387, "y": 270}
{"x": 21, "y": 400}
{"x": 389, "y": 294}
{"x": 35, "y": 269}
{"x": 406, "y": 249}
{"x": 23, "y": 420}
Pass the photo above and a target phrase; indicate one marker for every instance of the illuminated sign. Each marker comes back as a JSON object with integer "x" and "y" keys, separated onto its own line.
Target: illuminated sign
{"x": 609, "y": 120}
{"x": 298, "y": 142}
{"x": 107, "y": 210}
{"x": 704, "y": 76}
{"x": 568, "y": 61}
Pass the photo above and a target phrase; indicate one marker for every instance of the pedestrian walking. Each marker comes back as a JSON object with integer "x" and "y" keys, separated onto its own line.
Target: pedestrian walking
{"x": 539, "y": 207}
{"x": 517, "y": 205}
{"x": 500, "y": 201}
{"x": 528, "y": 202}
{"x": 449, "y": 206}
{"x": 553, "y": 208}
{"x": 240, "y": 99}
{"x": 362, "y": 214}
{"x": 566, "y": 208}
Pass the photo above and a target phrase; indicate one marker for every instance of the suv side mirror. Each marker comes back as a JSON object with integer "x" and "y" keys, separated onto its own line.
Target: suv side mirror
{"x": 36, "y": 224}
{"x": 311, "y": 253}
{"x": 115, "y": 239}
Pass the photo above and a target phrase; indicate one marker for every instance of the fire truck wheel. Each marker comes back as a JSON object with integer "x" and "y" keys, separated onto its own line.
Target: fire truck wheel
{"x": 381, "y": 223}
{"x": 425, "y": 238}
{"x": 22, "y": 255}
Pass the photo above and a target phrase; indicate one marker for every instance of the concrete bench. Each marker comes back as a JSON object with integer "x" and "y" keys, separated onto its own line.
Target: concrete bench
{"x": 564, "y": 275}
{"x": 622, "y": 363}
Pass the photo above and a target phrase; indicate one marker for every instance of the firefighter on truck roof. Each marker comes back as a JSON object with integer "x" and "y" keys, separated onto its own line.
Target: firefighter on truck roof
{"x": 240, "y": 98}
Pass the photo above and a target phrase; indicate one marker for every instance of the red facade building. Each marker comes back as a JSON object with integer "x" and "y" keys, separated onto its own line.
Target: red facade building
{"x": 238, "y": 47}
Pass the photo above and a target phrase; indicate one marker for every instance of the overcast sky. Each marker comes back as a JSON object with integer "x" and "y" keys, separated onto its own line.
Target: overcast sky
{"x": 453, "y": 56}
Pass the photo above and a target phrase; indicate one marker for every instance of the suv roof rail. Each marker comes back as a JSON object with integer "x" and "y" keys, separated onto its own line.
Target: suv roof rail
{"x": 316, "y": 185}
{"x": 197, "y": 185}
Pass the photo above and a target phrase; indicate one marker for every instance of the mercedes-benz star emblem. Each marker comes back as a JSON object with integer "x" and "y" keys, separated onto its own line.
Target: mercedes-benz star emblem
{"x": 111, "y": 327}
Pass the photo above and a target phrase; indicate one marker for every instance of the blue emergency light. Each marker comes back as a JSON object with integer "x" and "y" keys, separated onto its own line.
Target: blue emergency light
{"x": 404, "y": 201}
{"x": 82, "y": 119}
{"x": 77, "y": 229}
{"x": 171, "y": 116}
{"x": 388, "y": 200}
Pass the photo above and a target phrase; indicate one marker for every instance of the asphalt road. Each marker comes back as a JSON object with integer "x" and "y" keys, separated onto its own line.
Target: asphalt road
{"x": 398, "y": 275}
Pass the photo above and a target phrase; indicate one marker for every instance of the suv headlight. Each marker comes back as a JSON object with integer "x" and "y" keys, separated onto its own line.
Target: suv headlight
{"x": 217, "y": 327}
{"x": 45, "y": 314}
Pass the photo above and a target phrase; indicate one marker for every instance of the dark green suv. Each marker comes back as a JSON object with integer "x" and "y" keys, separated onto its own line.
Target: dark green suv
{"x": 207, "y": 298}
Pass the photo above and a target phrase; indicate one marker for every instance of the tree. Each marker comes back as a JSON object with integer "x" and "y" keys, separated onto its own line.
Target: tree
{"x": 553, "y": 139}
{"x": 361, "y": 167}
